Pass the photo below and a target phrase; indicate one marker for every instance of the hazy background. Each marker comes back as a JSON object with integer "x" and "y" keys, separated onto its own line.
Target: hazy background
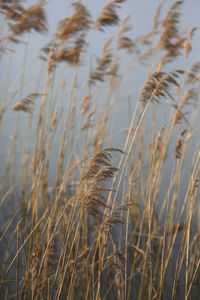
{"x": 141, "y": 12}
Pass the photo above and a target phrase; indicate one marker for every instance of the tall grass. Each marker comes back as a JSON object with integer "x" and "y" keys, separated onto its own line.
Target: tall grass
{"x": 91, "y": 209}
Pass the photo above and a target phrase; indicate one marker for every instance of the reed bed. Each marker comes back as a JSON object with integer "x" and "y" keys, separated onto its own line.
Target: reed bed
{"x": 90, "y": 208}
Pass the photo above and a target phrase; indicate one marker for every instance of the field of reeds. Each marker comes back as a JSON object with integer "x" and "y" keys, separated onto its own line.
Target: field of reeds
{"x": 99, "y": 194}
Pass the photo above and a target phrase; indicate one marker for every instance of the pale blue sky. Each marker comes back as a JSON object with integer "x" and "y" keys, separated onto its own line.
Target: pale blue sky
{"x": 141, "y": 12}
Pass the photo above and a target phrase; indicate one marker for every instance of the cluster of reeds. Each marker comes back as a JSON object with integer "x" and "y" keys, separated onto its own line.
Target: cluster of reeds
{"x": 90, "y": 208}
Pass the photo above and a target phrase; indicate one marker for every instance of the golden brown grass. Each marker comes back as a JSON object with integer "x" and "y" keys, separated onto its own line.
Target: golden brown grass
{"x": 81, "y": 216}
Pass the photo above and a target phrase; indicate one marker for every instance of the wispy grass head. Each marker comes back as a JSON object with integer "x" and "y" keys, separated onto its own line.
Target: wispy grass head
{"x": 25, "y": 20}
{"x": 79, "y": 22}
{"x": 108, "y": 15}
{"x": 27, "y": 103}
